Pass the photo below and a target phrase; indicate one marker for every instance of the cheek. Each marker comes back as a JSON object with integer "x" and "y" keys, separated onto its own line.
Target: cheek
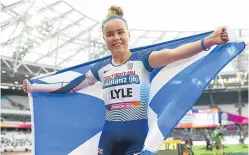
{"x": 125, "y": 40}
{"x": 108, "y": 43}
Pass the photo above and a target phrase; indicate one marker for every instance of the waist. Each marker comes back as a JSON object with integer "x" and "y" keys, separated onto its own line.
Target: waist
{"x": 126, "y": 111}
{"x": 127, "y": 126}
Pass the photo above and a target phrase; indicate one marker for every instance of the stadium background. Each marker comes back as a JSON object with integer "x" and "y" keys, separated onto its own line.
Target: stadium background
{"x": 38, "y": 37}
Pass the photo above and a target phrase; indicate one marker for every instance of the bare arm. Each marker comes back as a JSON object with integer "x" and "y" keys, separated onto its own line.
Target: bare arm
{"x": 78, "y": 83}
{"x": 167, "y": 56}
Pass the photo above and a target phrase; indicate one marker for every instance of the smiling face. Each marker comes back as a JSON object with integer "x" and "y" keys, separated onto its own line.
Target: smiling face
{"x": 116, "y": 36}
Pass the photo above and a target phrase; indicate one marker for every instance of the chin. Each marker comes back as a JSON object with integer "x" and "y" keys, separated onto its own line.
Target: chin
{"x": 117, "y": 52}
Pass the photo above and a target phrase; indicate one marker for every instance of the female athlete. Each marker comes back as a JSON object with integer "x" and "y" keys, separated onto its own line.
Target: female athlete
{"x": 126, "y": 83}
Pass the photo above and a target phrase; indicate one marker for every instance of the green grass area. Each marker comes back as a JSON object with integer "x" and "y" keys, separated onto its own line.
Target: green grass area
{"x": 229, "y": 150}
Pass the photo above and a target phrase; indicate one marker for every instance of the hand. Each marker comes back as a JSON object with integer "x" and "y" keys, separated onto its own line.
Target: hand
{"x": 26, "y": 86}
{"x": 219, "y": 36}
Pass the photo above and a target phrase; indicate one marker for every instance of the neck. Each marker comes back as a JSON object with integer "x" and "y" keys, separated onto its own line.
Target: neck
{"x": 121, "y": 59}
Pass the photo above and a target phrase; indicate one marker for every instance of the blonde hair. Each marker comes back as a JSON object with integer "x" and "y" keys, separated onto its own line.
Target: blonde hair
{"x": 114, "y": 11}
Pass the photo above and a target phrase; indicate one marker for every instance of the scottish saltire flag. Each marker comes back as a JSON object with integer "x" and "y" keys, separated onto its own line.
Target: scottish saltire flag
{"x": 72, "y": 123}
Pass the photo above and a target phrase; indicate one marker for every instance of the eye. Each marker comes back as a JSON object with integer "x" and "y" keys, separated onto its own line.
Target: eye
{"x": 109, "y": 35}
{"x": 121, "y": 32}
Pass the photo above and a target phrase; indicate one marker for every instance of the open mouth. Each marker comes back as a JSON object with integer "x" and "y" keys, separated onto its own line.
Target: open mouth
{"x": 117, "y": 45}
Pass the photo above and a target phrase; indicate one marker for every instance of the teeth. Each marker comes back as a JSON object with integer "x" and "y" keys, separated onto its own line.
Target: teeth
{"x": 116, "y": 44}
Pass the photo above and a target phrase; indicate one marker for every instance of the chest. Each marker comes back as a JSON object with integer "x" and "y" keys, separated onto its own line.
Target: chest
{"x": 123, "y": 83}
{"x": 130, "y": 73}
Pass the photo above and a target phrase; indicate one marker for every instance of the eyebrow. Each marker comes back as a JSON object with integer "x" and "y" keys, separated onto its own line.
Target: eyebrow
{"x": 116, "y": 30}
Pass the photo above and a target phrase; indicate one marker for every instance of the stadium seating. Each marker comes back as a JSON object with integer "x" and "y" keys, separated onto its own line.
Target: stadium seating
{"x": 15, "y": 140}
{"x": 6, "y": 104}
{"x": 16, "y": 118}
{"x": 21, "y": 100}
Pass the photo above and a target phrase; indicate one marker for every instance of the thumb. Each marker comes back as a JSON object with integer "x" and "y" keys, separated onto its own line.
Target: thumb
{"x": 220, "y": 30}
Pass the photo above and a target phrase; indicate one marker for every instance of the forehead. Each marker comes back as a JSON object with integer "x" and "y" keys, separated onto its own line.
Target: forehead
{"x": 114, "y": 25}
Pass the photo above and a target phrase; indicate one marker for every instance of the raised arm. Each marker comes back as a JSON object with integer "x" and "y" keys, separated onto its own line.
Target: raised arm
{"x": 78, "y": 83}
{"x": 164, "y": 57}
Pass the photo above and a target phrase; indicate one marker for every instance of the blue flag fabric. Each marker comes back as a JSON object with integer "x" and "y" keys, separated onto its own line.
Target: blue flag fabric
{"x": 72, "y": 123}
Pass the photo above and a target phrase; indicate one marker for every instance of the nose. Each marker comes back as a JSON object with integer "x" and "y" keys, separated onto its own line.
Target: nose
{"x": 116, "y": 37}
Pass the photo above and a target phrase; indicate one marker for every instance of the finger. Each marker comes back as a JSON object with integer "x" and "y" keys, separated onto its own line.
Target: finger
{"x": 225, "y": 39}
{"x": 220, "y": 30}
{"x": 224, "y": 32}
{"x": 224, "y": 35}
{"x": 224, "y": 29}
